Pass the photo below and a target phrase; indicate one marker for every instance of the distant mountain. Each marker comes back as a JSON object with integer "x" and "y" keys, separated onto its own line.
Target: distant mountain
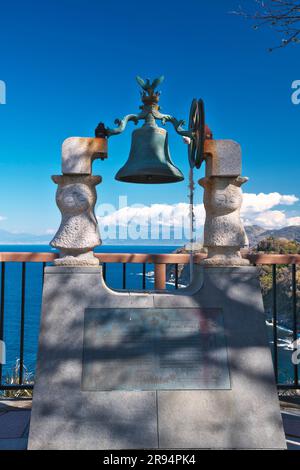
{"x": 256, "y": 233}
{"x": 9, "y": 238}
{"x": 290, "y": 233}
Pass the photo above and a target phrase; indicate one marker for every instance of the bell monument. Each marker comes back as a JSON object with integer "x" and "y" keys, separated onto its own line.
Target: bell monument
{"x": 186, "y": 369}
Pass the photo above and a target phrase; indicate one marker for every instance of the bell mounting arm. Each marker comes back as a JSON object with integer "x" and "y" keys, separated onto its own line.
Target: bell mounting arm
{"x": 178, "y": 124}
{"x": 122, "y": 123}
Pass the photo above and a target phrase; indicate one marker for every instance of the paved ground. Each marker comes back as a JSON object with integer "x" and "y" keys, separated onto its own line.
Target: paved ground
{"x": 14, "y": 424}
{"x": 15, "y": 418}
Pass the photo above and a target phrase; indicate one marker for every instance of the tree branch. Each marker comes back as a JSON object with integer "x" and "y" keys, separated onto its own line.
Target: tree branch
{"x": 281, "y": 15}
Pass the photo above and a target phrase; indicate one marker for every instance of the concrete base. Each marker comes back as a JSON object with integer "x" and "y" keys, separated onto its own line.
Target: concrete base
{"x": 65, "y": 417}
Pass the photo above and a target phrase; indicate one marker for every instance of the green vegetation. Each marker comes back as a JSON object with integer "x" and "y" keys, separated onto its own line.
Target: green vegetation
{"x": 284, "y": 279}
{"x": 280, "y": 246}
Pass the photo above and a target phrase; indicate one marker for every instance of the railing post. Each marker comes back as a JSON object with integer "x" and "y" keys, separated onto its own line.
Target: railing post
{"x": 144, "y": 276}
{"x": 275, "y": 320}
{"x": 2, "y": 304}
{"x": 124, "y": 276}
{"x": 176, "y": 277}
{"x": 22, "y": 324}
{"x": 160, "y": 276}
{"x": 295, "y": 319}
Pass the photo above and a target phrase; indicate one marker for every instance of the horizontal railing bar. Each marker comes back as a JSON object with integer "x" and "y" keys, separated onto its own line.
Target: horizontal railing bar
{"x": 139, "y": 258}
{"x": 272, "y": 259}
{"x": 288, "y": 387}
{"x": 135, "y": 258}
{"x": 3, "y": 388}
{"x": 29, "y": 257}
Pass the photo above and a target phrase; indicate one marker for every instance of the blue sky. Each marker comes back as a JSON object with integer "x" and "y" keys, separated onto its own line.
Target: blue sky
{"x": 69, "y": 64}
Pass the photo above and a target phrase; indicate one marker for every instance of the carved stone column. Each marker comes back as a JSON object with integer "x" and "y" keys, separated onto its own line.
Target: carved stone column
{"x": 76, "y": 197}
{"x": 224, "y": 233}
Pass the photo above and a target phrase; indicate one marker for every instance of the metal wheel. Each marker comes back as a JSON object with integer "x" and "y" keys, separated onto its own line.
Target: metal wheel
{"x": 197, "y": 127}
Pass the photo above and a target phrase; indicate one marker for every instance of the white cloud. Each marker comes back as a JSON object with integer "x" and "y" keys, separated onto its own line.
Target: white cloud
{"x": 256, "y": 210}
{"x": 293, "y": 221}
{"x": 50, "y": 231}
{"x": 158, "y": 221}
{"x": 2, "y": 218}
{"x": 270, "y": 219}
{"x": 254, "y": 203}
{"x": 163, "y": 214}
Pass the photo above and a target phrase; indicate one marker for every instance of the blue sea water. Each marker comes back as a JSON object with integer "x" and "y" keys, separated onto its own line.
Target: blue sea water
{"x": 33, "y": 295}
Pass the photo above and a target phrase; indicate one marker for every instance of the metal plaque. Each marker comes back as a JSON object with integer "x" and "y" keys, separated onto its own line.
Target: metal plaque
{"x": 154, "y": 349}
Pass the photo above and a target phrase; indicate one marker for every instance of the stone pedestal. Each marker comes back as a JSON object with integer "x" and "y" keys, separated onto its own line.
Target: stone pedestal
{"x": 78, "y": 233}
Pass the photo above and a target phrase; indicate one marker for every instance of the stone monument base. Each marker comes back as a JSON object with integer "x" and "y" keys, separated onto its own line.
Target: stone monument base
{"x": 227, "y": 400}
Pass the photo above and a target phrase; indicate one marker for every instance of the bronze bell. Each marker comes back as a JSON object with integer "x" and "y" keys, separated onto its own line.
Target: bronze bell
{"x": 149, "y": 160}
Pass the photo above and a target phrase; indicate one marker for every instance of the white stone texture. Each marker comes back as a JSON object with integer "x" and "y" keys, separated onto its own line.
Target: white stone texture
{"x": 78, "y": 154}
{"x": 78, "y": 233}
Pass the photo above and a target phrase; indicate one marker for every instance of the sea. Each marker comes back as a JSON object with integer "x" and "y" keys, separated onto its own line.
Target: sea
{"x": 33, "y": 297}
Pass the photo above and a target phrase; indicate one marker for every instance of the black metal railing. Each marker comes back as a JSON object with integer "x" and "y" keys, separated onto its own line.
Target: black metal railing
{"x": 20, "y": 385}
{"x": 292, "y": 383}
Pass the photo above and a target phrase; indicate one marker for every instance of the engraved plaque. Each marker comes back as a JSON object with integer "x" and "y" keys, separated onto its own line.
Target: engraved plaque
{"x": 154, "y": 349}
